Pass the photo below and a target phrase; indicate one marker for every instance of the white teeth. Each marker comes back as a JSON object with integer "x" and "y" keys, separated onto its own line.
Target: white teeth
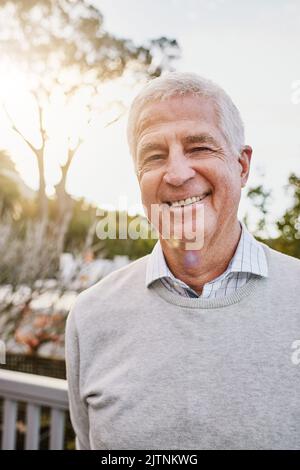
{"x": 189, "y": 200}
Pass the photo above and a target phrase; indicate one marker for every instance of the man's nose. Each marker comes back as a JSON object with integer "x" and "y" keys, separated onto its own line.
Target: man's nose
{"x": 178, "y": 170}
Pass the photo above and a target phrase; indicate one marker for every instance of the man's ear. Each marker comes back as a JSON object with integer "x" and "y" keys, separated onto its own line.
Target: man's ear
{"x": 245, "y": 162}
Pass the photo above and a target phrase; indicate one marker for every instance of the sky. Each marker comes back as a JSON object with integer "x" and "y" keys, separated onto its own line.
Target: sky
{"x": 251, "y": 49}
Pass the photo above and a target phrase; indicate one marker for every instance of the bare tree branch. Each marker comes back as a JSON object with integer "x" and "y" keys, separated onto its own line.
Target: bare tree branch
{"x": 115, "y": 119}
{"x": 14, "y": 128}
{"x": 40, "y": 112}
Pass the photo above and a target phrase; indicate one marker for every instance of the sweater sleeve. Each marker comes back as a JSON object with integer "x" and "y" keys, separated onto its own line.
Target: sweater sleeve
{"x": 78, "y": 409}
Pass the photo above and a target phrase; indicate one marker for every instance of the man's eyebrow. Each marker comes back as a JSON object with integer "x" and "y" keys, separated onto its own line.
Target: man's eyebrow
{"x": 200, "y": 139}
{"x": 148, "y": 147}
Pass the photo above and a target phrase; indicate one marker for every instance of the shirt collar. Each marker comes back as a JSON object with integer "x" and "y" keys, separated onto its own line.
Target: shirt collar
{"x": 249, "y": 257}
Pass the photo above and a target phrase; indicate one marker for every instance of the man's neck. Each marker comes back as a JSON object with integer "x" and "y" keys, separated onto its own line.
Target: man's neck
{"x": 197, "y": 267}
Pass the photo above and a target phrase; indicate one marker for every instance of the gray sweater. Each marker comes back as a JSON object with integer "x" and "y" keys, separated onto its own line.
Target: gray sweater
{"x": 150, "y": 369}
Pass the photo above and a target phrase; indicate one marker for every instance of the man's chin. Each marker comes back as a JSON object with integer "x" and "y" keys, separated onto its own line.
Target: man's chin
{"x": 191, "y": 236}
{"x": 178, "y": 238}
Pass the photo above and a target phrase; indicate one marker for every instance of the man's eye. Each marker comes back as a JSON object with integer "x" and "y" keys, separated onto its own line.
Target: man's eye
{"x": 153, "y": 158}
{"x": 199, "y": 149}
{"x": 149, "y": 162}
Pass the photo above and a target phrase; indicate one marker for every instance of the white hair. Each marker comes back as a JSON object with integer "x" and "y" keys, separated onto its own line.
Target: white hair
{"x": 180, "y": 84}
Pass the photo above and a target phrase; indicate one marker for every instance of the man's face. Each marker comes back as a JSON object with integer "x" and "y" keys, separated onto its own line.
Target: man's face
{"x": 182, "y": 153}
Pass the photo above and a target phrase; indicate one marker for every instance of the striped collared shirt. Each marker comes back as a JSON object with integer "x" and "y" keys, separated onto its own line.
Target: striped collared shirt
{"x": 248, "y": 261}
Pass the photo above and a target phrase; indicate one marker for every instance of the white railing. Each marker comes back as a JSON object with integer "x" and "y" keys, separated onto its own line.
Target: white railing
{"x": 36, "y": 391}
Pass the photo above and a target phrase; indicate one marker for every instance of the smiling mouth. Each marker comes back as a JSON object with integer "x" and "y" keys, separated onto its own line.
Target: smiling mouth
{"x": 188, "y": 201}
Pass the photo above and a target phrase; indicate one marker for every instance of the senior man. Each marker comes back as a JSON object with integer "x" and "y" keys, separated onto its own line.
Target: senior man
{"x": 192, "y": 346}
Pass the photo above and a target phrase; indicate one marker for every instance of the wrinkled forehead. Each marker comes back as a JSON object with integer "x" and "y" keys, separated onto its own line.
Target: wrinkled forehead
{"x": 176, "y": 109}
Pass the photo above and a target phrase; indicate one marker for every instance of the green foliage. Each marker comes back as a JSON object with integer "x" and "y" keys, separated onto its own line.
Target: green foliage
{"x": 83, "y": 217}
{"x": 132, "y": 248}
{"x": 69, "y": 36}
{"x": 288, "y": 225}
{"x": 9, "y": 190}
{"x": 260, "y": 198}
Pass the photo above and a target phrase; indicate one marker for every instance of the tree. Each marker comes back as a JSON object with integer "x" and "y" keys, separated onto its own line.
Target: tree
{"x": 289, "y": 224}
{"x": 260, "y": 198}
{"x": 62, "y": 49}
